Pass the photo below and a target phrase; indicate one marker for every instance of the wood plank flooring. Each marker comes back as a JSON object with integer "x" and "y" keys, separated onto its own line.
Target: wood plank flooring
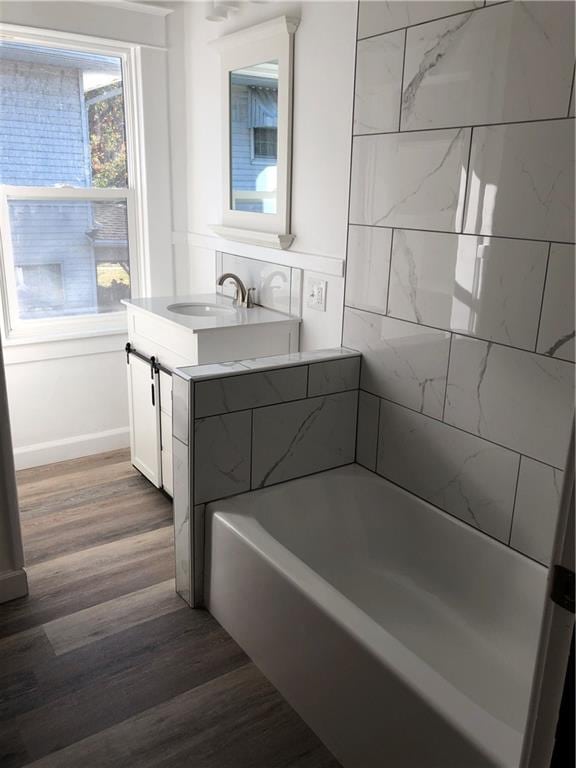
{"x": 102, "y": 665}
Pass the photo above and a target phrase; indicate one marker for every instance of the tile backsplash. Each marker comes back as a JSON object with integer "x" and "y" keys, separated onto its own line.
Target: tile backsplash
{"x": 276, "y": 286}
{"x": 460, "y": 265}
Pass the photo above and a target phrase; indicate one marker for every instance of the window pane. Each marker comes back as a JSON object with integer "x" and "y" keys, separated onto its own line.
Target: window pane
{"x": 61, "y": 118}
{"x": 70, "y": 257}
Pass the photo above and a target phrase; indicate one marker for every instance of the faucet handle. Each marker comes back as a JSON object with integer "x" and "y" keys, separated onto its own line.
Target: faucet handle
{"x": 250, "y": 297}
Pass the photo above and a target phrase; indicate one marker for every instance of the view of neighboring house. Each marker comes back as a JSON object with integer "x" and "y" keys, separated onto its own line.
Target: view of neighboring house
{"x": 254, "y": 116}
{"x": 62, "y": 125}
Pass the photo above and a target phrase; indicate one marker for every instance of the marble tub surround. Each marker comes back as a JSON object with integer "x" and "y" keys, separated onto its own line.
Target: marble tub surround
{"x": 415, "y": 180}
{"x": 368, "y": 268}
{"x": 536, "y": 422}
{"x": 237, "y": 393}
{"x": 468, "y": 340}
{"x": 222, "y": 455}
{"x": 377, "y": 16}
{"x": 276, "y": 286}
{"x": 556, "y": 334}
{"x": 537, "y": 499}
{"x": 470, "y": 69}
{"x": 404, "y": 362}
{"x": 378, "y": 81}
{"x": 251, "y": 424}
{"x": 304, "y": 437}
{"x": 470, "y": 478}
{"x": 521, "y": 182}
{"x": 481, "y": 286}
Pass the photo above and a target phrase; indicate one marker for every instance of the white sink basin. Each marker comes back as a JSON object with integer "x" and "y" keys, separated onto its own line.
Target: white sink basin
{"x": 200, "y": 310}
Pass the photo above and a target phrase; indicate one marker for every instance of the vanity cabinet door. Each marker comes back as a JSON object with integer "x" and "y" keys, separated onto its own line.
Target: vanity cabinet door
{"x": 143, "y": 393}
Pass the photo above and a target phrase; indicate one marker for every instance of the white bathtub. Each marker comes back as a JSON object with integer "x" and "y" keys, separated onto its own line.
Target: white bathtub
{"x": 403, "y": 637}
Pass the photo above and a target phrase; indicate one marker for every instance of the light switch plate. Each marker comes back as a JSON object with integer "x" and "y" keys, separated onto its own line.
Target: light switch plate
{"x": 316, "y": 294}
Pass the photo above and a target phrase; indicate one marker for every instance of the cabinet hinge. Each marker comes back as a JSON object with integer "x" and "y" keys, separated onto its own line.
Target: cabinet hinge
{"x": 562, "y": 590}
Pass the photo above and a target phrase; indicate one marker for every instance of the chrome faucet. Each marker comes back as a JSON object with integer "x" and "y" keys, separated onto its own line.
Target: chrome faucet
{"x": 242, "y": 297}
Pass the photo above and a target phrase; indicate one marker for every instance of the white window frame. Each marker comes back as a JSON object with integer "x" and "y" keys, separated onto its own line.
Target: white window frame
{"x": 17, "y": 331}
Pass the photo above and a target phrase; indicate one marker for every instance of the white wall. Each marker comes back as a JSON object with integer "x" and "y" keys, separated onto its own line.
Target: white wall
{"x": 323, "y": 90}
{"x": 69, "y": 398}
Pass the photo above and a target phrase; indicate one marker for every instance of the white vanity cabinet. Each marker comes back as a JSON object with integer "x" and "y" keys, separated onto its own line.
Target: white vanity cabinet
{"x": 178, "y": 340}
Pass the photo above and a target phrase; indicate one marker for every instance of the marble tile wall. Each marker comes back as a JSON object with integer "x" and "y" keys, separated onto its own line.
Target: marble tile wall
{"x": 246, "y": 425}
{"x": 460, "y": 267}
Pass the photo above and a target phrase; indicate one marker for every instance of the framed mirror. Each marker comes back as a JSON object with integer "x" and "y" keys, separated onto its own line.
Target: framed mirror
{"x": 257, "y": 74}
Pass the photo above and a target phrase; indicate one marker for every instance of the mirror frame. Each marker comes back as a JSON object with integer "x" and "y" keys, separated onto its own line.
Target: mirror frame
{"x": 271, "y": 41}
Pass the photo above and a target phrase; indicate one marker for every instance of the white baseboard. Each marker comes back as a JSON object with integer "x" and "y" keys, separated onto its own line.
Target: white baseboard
{"x": 71, "y": 448}
{"x": 13, "y": 584}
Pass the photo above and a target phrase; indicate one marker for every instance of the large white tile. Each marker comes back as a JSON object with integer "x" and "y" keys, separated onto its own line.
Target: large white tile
{"x": 377, "y": 16}
{"x": 368, "y": 267}
{"x": 536, "y": 509}
{"x": 518, "y": 399}
{"x": 249, "y": 390}
{"x": 367, "y": 434}
{"x": 300, "y": 438}
{"x": 222, "y": 455}
{"x": 480, "y": 286}
{"x": 497, "y": 65}
{"x": 521, "y": 181}
{"x": 333, "y": 376}
{"x": 401, "y": 361}
{"x": 462, "y": 474}
{"x": 414, "y": 180}
{"x": 378, "y": 83}
{"x": 556, "y": 335}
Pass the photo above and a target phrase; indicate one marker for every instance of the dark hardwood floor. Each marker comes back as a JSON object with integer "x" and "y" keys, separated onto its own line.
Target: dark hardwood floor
{"x": 103, "y": 665}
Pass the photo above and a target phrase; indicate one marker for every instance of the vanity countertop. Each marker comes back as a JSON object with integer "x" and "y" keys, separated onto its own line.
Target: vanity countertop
{"x": 240, "y": 316}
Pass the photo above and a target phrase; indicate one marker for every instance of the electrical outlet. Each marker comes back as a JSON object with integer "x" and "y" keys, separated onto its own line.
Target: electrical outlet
{"x": 316, "y": 294}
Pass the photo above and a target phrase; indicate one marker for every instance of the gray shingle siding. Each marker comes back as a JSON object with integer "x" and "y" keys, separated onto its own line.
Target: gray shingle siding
{"x": 42, "y": 129}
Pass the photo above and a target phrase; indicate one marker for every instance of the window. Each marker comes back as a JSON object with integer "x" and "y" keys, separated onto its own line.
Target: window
{"x": 265, "y": 143}
{"x": 66, "y": 197}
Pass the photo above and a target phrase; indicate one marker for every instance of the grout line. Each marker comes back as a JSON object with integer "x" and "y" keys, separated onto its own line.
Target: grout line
{"x": 275, "y": 404}
{"x": 571, "y": 92}
{"x": 467, "y": 187}
{"x": 377, "y": 451}
{"x": 351, "y": 156}
{"x": 251, "y": 448}
{"x": 418, "y": 23}
{"x": 390, "y": 271}
{"x": 402, "y": 80}
{"x": 542, "y": 302}
{"x": 454, "y": 426}
{"x": 514, "y": 501}
{"x": 560, "y": 118}
{"x": 447, "y": 374}
{"x": 459, "y": 234}
{"x": 459, "y": 333}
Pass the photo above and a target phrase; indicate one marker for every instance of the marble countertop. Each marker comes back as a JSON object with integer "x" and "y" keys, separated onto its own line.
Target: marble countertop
{"x": 240, "y": 317}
